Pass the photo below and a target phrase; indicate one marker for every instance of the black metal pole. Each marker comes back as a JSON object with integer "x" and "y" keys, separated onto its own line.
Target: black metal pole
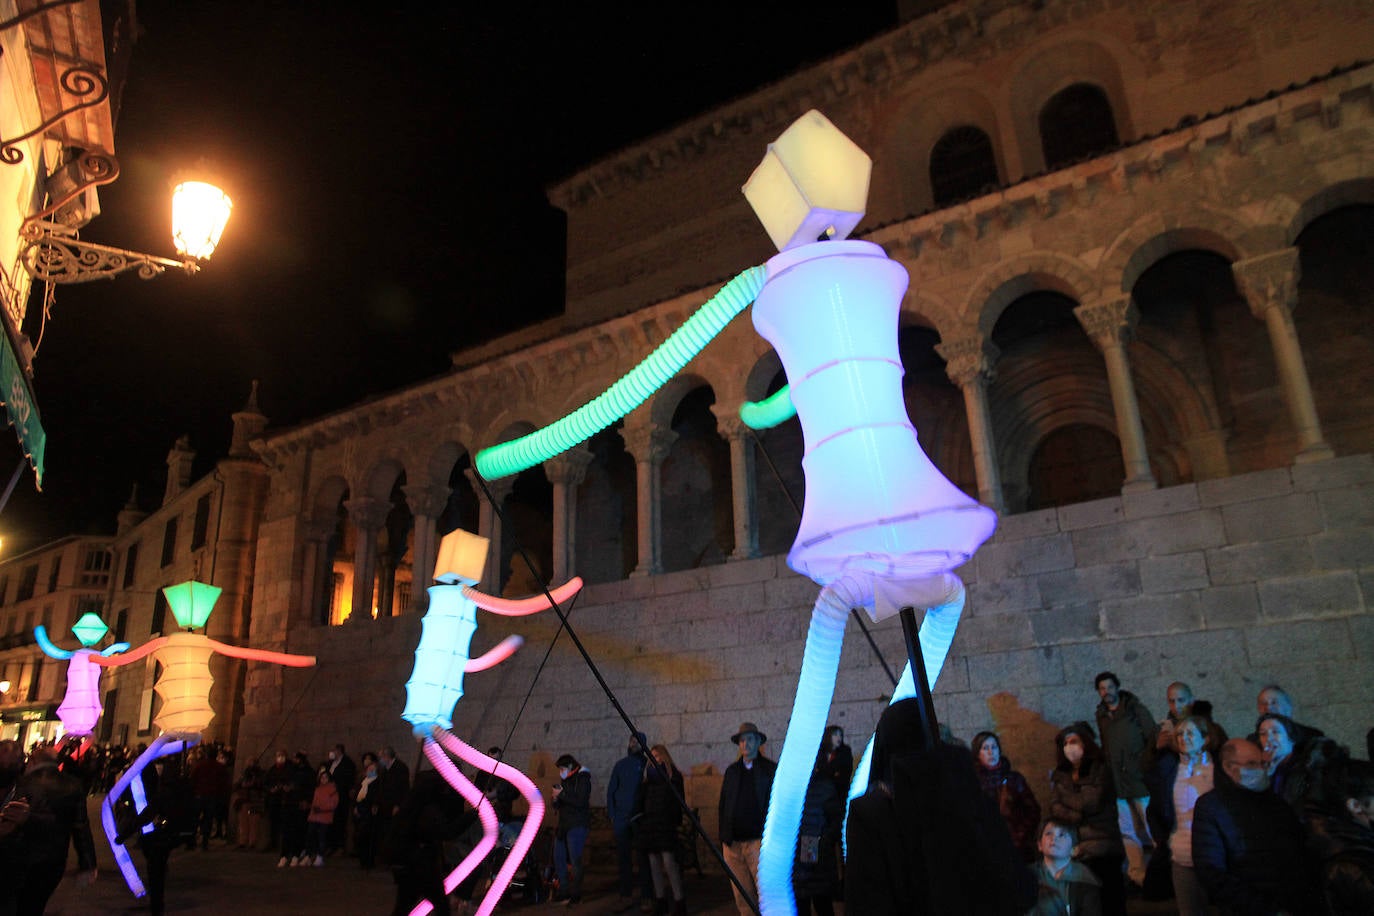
{"x": 911, "y": 632}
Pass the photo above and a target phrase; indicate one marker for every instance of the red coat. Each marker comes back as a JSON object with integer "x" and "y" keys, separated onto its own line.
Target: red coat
{"x": 322, "y": 806}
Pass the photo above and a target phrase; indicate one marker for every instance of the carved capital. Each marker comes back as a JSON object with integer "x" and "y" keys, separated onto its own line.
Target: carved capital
{"x": 426, "y": 500}
{"x": 570, "y": 467}
{"x": 499, "y": 489}
{"x": 648, "y": 443}
{"x": 728, "y": 423}
{"x": 1109, "y": 322}
{"x": 969, "y": 358}
{"x": 1269, "y": 281}
{"x": 366, "y": 513}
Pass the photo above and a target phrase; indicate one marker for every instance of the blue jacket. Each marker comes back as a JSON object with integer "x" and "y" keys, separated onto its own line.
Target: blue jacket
{"x": 620, "y": 791}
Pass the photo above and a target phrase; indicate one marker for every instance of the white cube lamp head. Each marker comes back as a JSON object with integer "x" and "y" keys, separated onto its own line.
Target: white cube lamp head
{"x": 811, "y": 184}
{"x": 462, "y": 557}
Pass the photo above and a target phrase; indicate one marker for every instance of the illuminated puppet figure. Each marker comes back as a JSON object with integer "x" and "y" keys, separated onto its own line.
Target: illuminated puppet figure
{"x": 436, "y": 685}
{"x": 80, "y": 707}
{"x": 184, "y": 688}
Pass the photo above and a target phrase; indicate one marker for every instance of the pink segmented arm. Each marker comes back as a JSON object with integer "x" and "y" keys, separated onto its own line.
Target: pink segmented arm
{"x": 495, "y": 655}
{"x": 264, "y": 655}
{"x": 114, "y": 661}
{"x": 519, "y": 607}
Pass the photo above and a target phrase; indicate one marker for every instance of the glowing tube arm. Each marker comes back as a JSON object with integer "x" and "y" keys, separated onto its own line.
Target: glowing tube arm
{"x": 115, "y": 649}
{"x": 815, "y": 689}
{"x": 40, "y": 634}
{"x": 519, "y": 607}
{"x": 162, "y": 745}
{"x": 485, "y": 813}
{"x": 143, "y": 651}
{"x": 631, "y": 390}
{"x": 772, "y": 411}
{"x": 495, "y": 656}
{"x": 264, "y": 655}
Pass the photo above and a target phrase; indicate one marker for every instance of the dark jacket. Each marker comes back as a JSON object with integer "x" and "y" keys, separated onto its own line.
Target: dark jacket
{"x": 839, "y": 763}
{"x": 658, "y": 814}
{"x": 390, "y": 789}
{"x": 762, "y": 774}
{"x": 574, "y": 802}
{"x": 622, "y": 790}
{"x": 1007, "y": 789}
{"x": 1343, "y": 852}
{"x": 1127, "y": 739}
{"x": 1247, "y": 851}
{"x": 823, "y": 817}
{"x": 1090, "y": 805}
{"x": 57, "y": 818}
{"x": 1076, "y": 892}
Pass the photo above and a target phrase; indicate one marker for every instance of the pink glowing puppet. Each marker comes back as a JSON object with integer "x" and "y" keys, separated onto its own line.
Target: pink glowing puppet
{"x": 80, "y": 708}
{"x": 436, "y": 684}
{"x": 184, "y": 688}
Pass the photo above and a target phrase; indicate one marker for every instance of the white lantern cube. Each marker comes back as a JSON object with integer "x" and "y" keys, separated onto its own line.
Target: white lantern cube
{"x": 462, "y": 557}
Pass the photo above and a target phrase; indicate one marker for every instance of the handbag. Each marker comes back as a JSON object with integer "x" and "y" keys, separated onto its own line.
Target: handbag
{"x": 808, "y": 849}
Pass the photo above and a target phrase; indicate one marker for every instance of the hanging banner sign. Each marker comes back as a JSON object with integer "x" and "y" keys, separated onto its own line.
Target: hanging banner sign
{"x": 22, "y": 408}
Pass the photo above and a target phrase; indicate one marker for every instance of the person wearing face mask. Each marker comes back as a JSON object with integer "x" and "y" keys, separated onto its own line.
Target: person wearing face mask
{"x": 1082, "y": 796}
{"x": 572, "y": 800}
{"x": 1247, "y": 844}
{"x": 276, "y": 784}
{"x": 1008, "y": 790}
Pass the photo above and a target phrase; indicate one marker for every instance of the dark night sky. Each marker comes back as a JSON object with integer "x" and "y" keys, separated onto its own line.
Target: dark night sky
{"x": 388, "y": 172}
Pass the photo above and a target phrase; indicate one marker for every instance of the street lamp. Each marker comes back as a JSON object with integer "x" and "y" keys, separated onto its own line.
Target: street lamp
{"x": 55, "y": 255}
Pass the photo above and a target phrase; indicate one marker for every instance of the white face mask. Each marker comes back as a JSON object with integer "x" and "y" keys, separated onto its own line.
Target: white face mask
{"x": 563, "y": 772}
{"x": 333, "y": 756}
{"x": 1073, "y": 753}
{"x": 1256, "y": 779}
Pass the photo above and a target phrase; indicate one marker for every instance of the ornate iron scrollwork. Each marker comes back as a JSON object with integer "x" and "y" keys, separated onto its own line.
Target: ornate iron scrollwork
{"x": 79, "y": 80}
{"x": 36, "y": 11}
{"x": 64, "y": 259}
{"x": 91, "y": 168}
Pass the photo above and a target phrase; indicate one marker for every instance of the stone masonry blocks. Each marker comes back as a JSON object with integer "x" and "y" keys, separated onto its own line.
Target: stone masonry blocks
{"x": 992, "y": 672}
{"x": 1334, "y": 474}
{"x": 1250, "y": 562}
{"x": 1066, "y": 623}
{"x": 1310, "y": 596}
{"x": 1003, "y": 596}
{"x": 1093, "y": 514}
{"x": 1165, "y": 501}
{"x": 1348, "y": 508}
{"x": 1176, "y": 573}
{"x": 1243, "y": 487}
{"x": 1090, "y": 583}
{"x": 1285, "y": 516}
{"x": 1157, "y": 536}
{"x": 1012, "y": 528}
{"x": 1352, "y": 549}
{"x": 1229, "y": 606}
{"x": 1158, "y": 614}
{"x": 1286, "y": 644}
{"x": 1025, "y": 557}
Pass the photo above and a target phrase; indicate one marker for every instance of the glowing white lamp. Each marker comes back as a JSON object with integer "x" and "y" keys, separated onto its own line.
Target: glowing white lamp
{"x": 199, "y": 214}
{"x": 812, "y": 184}
{"x": 462, "y": 557}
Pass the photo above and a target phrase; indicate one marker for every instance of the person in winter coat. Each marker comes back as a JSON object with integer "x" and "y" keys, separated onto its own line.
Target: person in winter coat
{"x": 815, "y": 874}
{"x": 1341, "y": 842}
{"x": 365, "y": 838}
{"x": 1128, "y": 733}
{"x": 1008, "y": 790}
{"x": 413, "y": 846}
{"x": 572, "y": 800}
{"x": 295, "y": 809}
{"x": 923, "y": 839}
{"x": 658, "y": 818}
{"x": 173, "y": 811}
{"x": 621, "y": 793}
{"x": 1182, "y": 777}
{"x": 321, "y": 818}
{"x": 839, "y": 759}
{"x": 249, "y": 796}
{"x": 1066, "y": 887}
{"x": 1081, "y": 795}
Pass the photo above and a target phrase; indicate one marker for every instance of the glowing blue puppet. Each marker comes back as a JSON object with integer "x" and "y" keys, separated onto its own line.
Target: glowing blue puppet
{"x": 436, "y": 685}
{"x": 882, "y": 528}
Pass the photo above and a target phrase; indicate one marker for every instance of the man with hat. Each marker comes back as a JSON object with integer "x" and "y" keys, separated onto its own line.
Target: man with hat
{"x": 744, "y": 797}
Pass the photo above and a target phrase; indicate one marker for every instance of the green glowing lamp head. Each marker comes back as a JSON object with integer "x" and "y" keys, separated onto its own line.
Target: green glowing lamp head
{"x": 192, "y": 602}
{"x": 90, "y": 629}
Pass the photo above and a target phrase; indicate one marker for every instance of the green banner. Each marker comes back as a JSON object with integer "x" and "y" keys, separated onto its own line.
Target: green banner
{"x": 22, "y": 408}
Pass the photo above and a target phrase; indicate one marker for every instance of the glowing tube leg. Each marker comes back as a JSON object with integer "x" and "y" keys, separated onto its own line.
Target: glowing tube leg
{"x": 485, "y": 814}
{"x": 937, "y": 633}
{"x": 815, "y": 689}
{"x": 533, "y": 818}
{"x": 162, "y": 746}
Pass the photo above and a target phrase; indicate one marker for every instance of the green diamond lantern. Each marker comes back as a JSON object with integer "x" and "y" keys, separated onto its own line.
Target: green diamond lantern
{"x": 192, "y": 602}
{"x": 90, "y": 629}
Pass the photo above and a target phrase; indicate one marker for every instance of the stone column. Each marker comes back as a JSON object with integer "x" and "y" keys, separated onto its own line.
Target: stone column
{"x": 489, "y": 526}
{"x": 1269, "y": 284}
{"x": 367, "y": 516}
{"x": 743, "y": 485}
{"x": 566, "y": 472}
{"x": 649, "y": 446}
{"x": 969, "y": 364}
{"x": 426, "y": 505}
{"x": 317, "y": 573}
{"x": 1109, "y": 324}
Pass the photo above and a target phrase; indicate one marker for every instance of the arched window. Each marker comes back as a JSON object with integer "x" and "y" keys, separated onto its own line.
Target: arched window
{"x": 1076, "y": 123}
{"x": 961, "y": 165}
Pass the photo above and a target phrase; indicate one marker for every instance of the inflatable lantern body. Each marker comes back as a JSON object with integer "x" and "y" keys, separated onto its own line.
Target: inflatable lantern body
{"x": 184, "y": 689}
{"x": 881, "y": 528}
{"x": 436, "y": 684}
{"x": 80, "y": 708}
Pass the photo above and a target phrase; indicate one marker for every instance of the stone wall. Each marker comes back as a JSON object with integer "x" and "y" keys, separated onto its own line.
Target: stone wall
{"x": 1227, "y": 584}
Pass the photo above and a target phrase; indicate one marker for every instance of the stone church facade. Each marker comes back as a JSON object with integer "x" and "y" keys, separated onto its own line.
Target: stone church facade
{"x": 1137, "y": 325}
